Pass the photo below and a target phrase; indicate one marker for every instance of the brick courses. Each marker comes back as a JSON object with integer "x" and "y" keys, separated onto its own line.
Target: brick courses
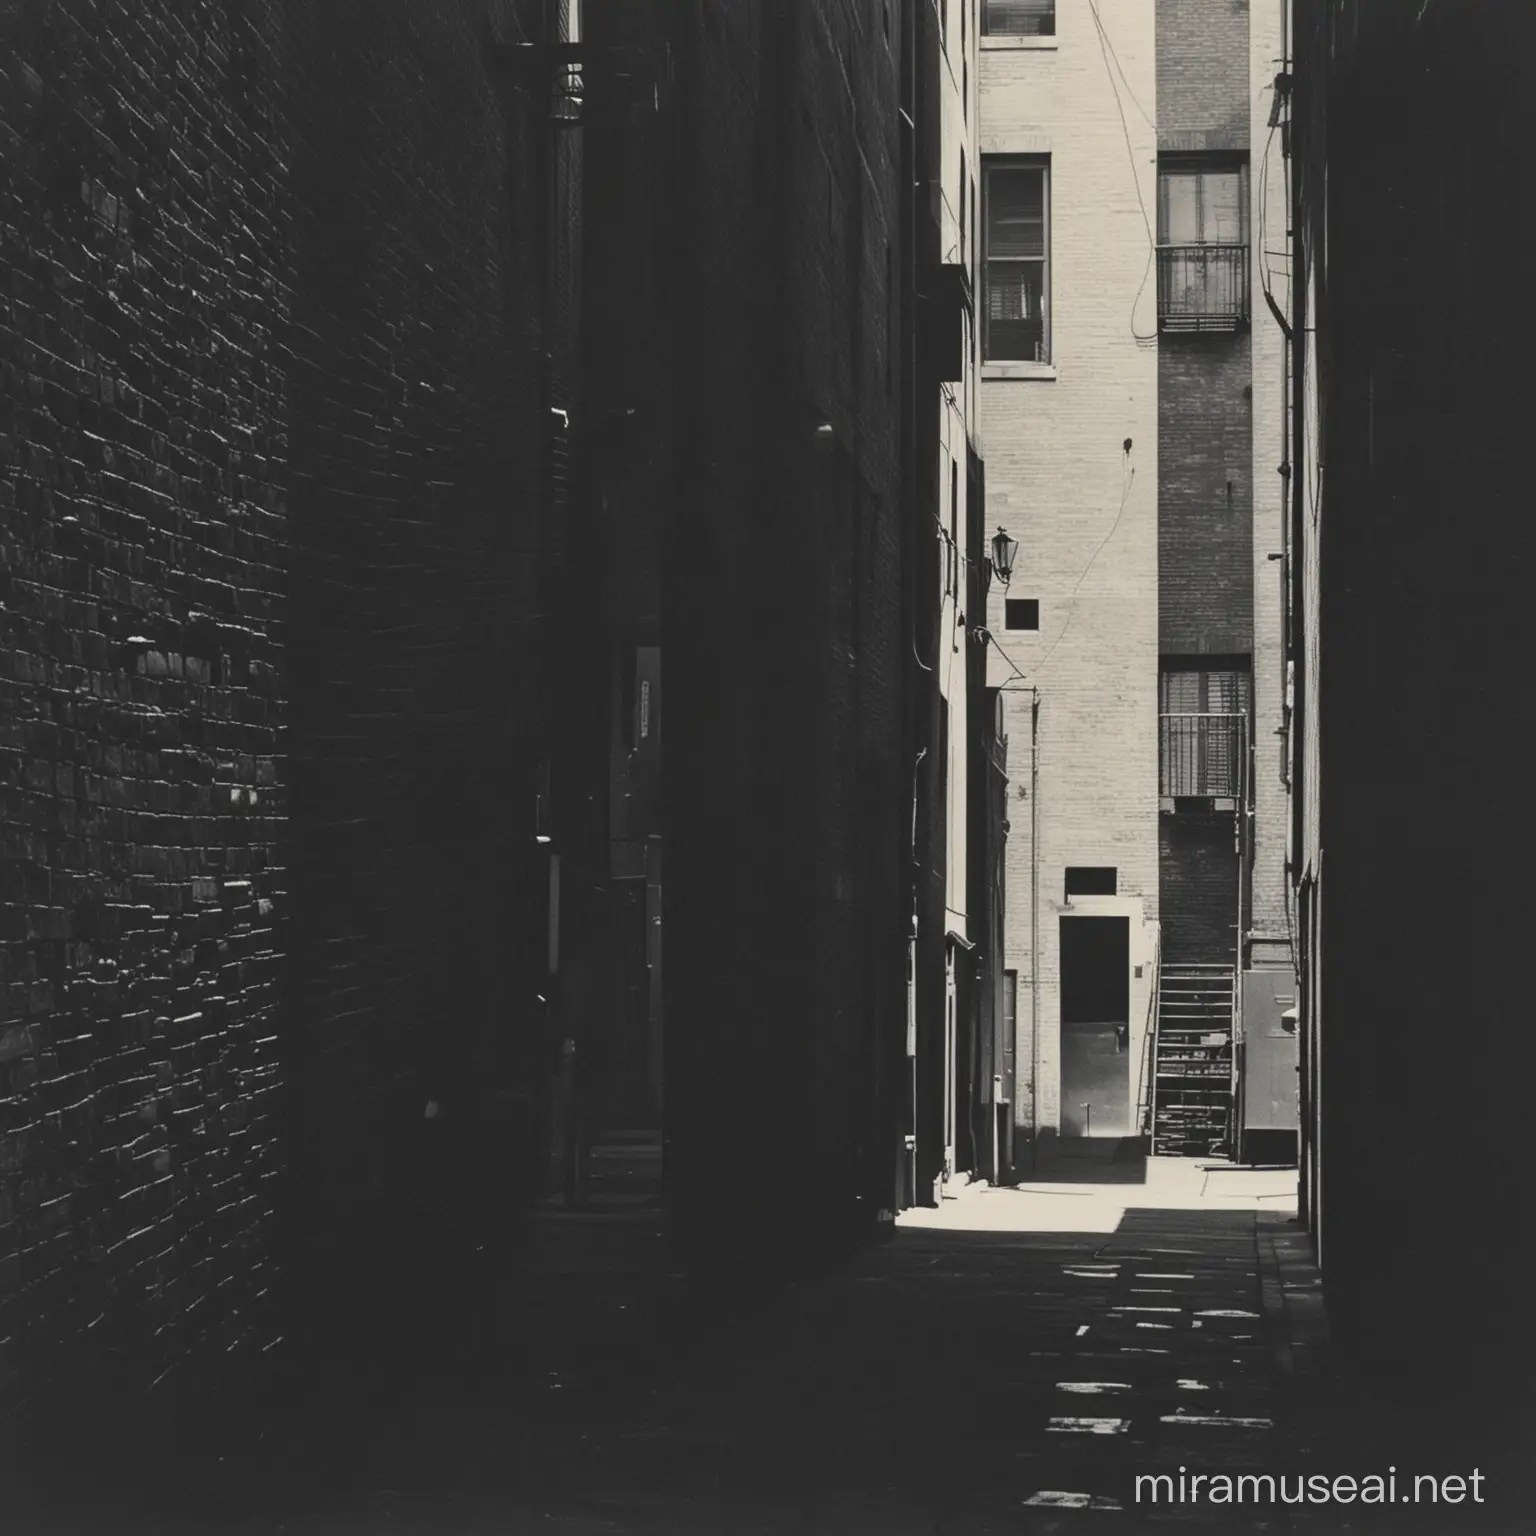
{"x": 144, "y": 414}
{"x": 1205, "y": 495}
{"x": 1059, "y": 479}
{"x": 262, "y": 509}
{"x": 1202, "y": 60}
{"x": 1270, "y": 411}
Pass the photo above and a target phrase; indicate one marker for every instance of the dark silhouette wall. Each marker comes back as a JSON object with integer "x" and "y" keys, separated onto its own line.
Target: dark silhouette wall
{"x": 784, "y": 784}
{"x": 1411, "y": 499}
{"x": 269, "y": 457}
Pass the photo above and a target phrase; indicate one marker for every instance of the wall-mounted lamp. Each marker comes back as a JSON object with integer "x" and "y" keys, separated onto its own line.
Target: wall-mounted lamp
{"x": 1004, "y": 550}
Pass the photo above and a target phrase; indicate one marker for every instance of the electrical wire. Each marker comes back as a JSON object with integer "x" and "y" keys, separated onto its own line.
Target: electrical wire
{"x": 1141, "y": 202}
{"x": 1265, "y": 275}
{"x": 1098, "y": 22}
{"x": 1125, "y": 497}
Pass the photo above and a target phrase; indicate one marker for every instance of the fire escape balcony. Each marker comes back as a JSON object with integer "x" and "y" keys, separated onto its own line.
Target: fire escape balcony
{"x": 1202, "y": 288}
{"x": 1202, "y": 760}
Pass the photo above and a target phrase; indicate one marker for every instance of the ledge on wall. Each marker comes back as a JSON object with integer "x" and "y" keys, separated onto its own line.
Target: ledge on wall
{"x": 1018, "y": 370}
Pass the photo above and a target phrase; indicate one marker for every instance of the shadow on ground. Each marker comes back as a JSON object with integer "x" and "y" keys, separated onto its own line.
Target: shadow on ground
{"x": 948, "y": 1381}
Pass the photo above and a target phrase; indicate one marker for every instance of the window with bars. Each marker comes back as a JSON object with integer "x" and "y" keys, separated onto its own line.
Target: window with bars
{"x": 1016, "y": 262}
{"x": 1203, "y": 719}
{"x": 1202, "y": 236}
{"x": 1018, "y": 18}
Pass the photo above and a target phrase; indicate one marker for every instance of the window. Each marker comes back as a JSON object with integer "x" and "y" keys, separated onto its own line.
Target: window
{"x": 1015, "y": 231}
{"x": 1021, "y": 612}
{"x": 1203, "y": 726}
{"x": 1018, "y": 18}
{"x": 1091, "y": 880}
{"x": 1202, "y": 236}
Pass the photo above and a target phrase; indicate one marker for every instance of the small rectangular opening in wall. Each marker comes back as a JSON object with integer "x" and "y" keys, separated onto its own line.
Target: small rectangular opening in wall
{"x": 1021, "y": 612}
{"x": 1091, "y": 880}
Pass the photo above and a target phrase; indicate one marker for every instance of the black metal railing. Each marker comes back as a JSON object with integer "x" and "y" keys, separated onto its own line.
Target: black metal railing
{"x": 1202, "y": 287}
{"x": 1201, "y": 756}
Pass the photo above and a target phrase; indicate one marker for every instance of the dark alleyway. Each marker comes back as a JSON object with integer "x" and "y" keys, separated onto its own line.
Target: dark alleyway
{"x": 1036, "y": 1372}
{"x": 503, "y": 498}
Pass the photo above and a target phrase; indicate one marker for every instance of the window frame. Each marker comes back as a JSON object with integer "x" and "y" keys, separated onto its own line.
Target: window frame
{"x": 1224, "y": 301}
{"x": 1210, "y": 162}
{"x": 1003, "y": 164}
{"x": 986, "y": 31}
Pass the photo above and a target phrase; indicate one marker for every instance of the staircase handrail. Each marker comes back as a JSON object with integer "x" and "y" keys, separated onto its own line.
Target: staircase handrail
{"x": 1146, "y": 1089}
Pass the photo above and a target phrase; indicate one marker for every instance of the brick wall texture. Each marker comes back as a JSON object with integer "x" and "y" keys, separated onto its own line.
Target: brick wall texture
{"x": 1205, "y": 495}
{"x": 1270, "y": 217}
{"x": 1198, "y": 881}
{"x": 1202, "y": 73}
{"x": 1059, "y": 479}
{"x": 258, "y": 454}
{"x": 1177, "y": 573}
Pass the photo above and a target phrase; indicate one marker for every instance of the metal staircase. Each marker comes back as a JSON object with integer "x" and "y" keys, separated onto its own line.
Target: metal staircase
{"x": 1192, "y": 1082}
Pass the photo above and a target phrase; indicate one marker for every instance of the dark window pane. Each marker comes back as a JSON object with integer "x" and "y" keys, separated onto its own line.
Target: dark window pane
{"x": 1021, "y": 612}
{"x": 1018, "y": 18}
{"x": 1015, "y": 316}
{"x": 1016, "y": 214}
{"x": 1091, "y": 880}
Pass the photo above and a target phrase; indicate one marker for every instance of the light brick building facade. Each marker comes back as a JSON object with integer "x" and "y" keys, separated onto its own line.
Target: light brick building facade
{"x": 1131, "y": 416}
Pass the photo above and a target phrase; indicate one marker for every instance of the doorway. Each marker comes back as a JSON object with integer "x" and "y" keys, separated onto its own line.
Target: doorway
{"x": 1095, "y": 1026}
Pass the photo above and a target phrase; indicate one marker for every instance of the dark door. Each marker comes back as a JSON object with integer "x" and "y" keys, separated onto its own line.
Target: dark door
{"x": 1095, "y": 1026}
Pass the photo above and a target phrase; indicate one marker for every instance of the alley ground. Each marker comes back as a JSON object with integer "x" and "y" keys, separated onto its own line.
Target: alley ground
{"x": 1007, "y": 1363}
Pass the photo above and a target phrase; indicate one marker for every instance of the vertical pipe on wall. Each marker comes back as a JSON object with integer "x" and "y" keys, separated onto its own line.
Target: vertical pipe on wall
{"x": 1034, "y": 924}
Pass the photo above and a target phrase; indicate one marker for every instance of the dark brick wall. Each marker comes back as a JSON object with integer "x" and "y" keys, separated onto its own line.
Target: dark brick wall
{"x": 143, "y": 426}
{"x": 1197, "y": 888}
{"x": 1205, "y": 495}
{"x": 1202, "y": 74}
{"x": 783, "y": 782}
{"x": 270, "y": 443}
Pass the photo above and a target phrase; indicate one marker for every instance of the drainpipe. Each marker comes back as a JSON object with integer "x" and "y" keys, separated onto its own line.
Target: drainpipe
{"x": 1034, "y": 921}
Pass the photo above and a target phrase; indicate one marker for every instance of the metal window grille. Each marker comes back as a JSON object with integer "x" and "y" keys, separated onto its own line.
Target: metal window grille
{"x": 1202, "y": 734}
{"x": 1202, "y": 258}
{"x": 1202, "y": 287}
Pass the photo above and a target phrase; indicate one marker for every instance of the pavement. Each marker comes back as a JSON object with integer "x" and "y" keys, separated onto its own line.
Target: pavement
{"x": 1008, "y": 1362}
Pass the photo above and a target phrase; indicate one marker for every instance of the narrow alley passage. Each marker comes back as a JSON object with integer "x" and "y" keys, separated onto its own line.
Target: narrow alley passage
{"x": 1011, "y": 1361}
{"x": 676, "y": 680}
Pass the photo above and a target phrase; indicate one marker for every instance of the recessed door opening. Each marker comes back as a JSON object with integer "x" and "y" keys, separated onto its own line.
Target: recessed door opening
{"x": 1095, "y": 1026}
